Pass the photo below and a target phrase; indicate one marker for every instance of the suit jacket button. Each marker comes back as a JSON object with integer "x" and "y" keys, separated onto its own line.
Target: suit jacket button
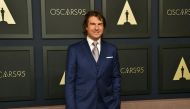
{"x": 97, "y": 66}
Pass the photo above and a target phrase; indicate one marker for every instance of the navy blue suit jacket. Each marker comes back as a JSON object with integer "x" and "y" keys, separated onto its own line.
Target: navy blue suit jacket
{"x": 87, "y": 80}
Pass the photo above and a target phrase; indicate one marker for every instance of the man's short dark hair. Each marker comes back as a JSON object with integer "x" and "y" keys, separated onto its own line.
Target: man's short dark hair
{"x": 90, "y": 14}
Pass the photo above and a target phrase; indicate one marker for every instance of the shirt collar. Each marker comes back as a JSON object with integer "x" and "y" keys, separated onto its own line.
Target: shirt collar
{"x": 90, "y": 41}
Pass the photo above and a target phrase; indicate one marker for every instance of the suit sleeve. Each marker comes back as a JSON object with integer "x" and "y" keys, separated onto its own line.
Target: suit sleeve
{"x": 116, "y": 79}
{"x": 70, "y": 79}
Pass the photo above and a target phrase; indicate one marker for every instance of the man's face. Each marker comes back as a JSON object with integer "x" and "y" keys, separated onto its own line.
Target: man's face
{"x": 94, "y": 28}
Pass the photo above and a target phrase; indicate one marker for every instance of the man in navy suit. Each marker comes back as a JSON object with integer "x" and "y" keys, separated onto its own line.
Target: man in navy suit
{"x": 92, "y": 73}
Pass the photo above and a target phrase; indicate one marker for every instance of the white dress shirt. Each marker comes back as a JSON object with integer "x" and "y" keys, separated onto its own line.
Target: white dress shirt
{"x": 90, "y": 41}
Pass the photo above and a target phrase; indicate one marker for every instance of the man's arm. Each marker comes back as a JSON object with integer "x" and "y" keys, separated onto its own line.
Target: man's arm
{"x": 70, "y": 79}
{"x": 116, "y": 79}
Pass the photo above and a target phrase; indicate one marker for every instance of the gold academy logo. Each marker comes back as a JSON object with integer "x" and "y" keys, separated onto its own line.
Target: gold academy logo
{"x": 127, "y": 16}
{"x": 5, "y": 15}
{"x": 182, "y": 72}
{"x": 62, "y": 82}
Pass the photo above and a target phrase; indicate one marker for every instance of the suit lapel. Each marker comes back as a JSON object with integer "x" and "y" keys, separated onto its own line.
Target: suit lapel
{"x": 98, "y": 65}
{"x": 88, "y": 52}
{"x": 101, "y": 57}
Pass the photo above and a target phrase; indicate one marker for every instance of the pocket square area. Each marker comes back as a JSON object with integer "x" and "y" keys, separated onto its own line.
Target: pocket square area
{"x": 109, "y": 57}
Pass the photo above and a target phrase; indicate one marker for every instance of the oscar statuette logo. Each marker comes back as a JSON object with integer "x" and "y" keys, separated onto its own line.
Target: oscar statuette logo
{"x": 182, "y": 72}
{"x": 127, "y": 17}
{"x": 62, "y": 82}
{"x": 5, "y": 14}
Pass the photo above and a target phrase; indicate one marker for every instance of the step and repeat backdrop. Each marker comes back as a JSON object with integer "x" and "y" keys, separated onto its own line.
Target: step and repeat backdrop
{"x": 15, "y": 19}
{"x": 17, "y": 73}
{"x": 62, "y": 20}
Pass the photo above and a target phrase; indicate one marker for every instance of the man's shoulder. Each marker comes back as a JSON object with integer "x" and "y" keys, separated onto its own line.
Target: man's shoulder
{"x": 109, "y": 44}
{"x": 76, "y": 44}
